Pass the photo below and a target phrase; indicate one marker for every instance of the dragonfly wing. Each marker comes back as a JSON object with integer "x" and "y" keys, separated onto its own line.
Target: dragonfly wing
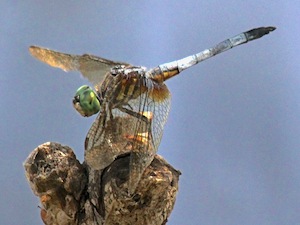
{"x": 135, "y": 127}
{"x": 98, "y": 152}
{"x": 154, "y": 105}
{"x": 92, "y": 67}
{"x": 107, "y": 138}
{"x": 95, "y": 68}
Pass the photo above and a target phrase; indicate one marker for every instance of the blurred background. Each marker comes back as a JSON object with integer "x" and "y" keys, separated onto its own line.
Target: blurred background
{"x": 234, "y": 125}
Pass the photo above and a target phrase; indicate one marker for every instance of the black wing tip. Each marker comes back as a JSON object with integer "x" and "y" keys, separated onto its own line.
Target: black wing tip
{"x": 33, "y": 49}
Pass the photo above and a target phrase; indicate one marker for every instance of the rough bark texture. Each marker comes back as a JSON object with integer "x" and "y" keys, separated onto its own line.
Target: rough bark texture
{"x": 70, "y": 193}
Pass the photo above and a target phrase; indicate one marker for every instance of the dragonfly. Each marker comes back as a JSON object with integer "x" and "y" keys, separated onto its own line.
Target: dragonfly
{"x": 132, "y": 102}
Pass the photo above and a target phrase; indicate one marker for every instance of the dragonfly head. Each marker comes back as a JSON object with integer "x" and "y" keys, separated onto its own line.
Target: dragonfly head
{"x": 86, "y": 101}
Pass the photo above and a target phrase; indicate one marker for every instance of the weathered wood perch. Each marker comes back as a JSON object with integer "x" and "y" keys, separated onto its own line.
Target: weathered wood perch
{"x": 72, "y": 194}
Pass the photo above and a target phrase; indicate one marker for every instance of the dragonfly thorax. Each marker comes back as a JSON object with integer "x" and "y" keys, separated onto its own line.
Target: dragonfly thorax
{"x": 122, "y": 84}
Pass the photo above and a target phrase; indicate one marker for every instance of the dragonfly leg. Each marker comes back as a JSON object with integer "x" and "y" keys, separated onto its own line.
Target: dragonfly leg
{"x": 138, "y": 115}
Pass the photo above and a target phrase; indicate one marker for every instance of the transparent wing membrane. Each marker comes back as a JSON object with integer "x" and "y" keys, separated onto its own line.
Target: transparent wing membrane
{"x": 135, "y": 127}
{"x": 91, "y": 67}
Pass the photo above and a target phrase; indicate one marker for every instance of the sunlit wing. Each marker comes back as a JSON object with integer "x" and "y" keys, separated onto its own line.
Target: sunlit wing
{"x": 147, "y": 136}
{"x": 92, "y": 67}
{"x": 134, "y": 128}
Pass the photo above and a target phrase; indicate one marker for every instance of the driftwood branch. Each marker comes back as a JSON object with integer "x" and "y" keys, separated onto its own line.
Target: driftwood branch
{"x": 71, "y": 193}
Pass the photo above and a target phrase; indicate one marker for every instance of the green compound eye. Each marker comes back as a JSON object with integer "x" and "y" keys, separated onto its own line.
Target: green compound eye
{"x": 86, "y": 102}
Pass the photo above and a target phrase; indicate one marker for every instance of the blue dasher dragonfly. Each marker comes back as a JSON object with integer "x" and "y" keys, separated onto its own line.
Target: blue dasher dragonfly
{"x": 133, "y": 103}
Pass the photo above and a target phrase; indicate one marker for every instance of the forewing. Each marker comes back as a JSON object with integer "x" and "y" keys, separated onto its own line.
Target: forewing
{"x": 108, "y": 137}
{"x": 91, "y": 67}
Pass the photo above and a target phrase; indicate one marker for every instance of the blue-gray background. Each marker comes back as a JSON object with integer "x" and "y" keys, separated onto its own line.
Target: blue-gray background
{"x": 234, "y": 124}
